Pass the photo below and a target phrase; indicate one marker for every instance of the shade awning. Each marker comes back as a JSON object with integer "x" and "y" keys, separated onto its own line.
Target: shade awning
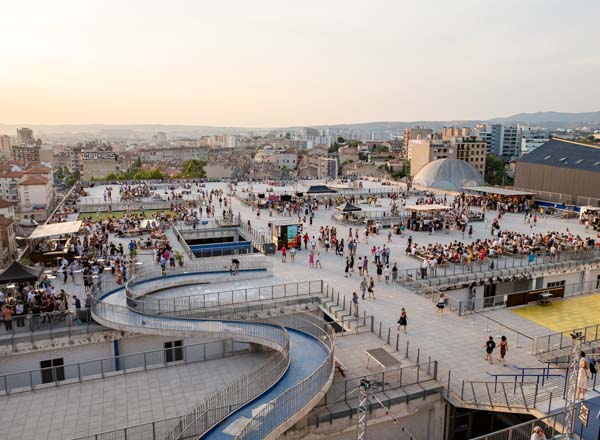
{"x": 421, "y": 208}
{"x": 348, "y": 207}
{"x": 56, "y": 229}
{"x": 18, "y": 272}
{"x": 497, "y": 191}
{"x": 320, "y": 189}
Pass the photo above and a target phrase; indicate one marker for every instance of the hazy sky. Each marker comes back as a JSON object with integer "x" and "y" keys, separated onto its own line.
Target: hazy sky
{"x": 276, "y": 63}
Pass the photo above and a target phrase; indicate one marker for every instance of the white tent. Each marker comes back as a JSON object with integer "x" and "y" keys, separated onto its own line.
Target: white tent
{"x": 56, "y": 229}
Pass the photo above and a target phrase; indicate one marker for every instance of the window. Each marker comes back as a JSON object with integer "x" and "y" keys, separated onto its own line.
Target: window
{"x": 556, "y": 283}
{"x": 173, "y": 351}
{"x": 53, "y": 370}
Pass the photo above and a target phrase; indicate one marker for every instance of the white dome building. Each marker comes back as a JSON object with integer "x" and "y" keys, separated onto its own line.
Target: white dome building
{"x": 448, "y": 174}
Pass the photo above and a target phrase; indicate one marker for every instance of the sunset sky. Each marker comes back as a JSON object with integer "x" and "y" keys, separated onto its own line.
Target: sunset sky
{"x": 277, "y": 63}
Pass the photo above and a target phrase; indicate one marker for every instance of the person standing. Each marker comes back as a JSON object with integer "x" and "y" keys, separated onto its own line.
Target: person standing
{"x": 379, "y": 270}
{"x": 293, "y": 254}
{"x": 365, "y": 266}
{"x": 424, "y": 268}
{"x": 503, "y": 350}
{"x": 583, "y": 376}
{"x": 386, "y": 274}
{"x": 489, "y": 349}
{"x": 283, "y": 254}
{"x": 538, "y": 434}
{"x": 395, "y": 272}
{"x": 347, "y": 269}
{"x": 355, "y": 303}
{"x": 403, "y": 320}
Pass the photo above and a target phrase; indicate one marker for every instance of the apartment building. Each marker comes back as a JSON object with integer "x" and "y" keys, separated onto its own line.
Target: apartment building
{"x": 35, "y": 197}
{"x": 177, "y": 155}
{"x": 5, "y": 144}
{"x": 471, "y": 149}
{"x": 416, "y": 133}
{"x": 281, "y": 158}
{"x": 26, "y": 153}
{"x": 327, "y": 168}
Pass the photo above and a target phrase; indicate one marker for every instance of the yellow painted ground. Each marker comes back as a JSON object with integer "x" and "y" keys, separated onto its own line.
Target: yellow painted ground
{"x": 565, "y": 315}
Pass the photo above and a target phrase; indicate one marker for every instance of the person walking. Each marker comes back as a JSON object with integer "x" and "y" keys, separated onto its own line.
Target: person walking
{"x": 441, "y": 303}
{"x": 503, "y": 350}
{"x": 365, "y": 266}
{"x": 347, "y": 269}
{"x": 363, "y": 287}
{"x": 318, "y": 261}
{"x": 355, "y": 303}
{"x": 489, "y": 349}
{"x": 371, "y": 288}
{"x": 283, "y": 254}
{"x": 311, "y": 260}
{"x": 292, "y": 254}
{"x": 403, "y": 320}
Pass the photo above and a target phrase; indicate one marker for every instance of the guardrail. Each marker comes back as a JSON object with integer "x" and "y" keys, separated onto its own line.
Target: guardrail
{"x": 407, "y": 276}
{"x": 551, "y": 425}
{"x": 31, "y": 380}
{"x": 48, "y": 326}
{"x": 562, "y": 340}
{"x": 221, "y": 299}
{"x": 342, "y": 390}
{"x": 192, "y": 272}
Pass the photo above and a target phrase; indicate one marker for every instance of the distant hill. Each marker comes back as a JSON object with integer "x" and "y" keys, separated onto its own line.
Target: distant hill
{"x": 541, "y": 118}
{"x": 550, "y": 120}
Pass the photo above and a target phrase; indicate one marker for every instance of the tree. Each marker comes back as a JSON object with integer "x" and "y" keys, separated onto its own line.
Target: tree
{"x": 495, "y": 171}
{"x": 341, "y": 140}
{"x": 334, "y": 148}
{"x": 73, "y": 177}
{"x": 194, "y": 169}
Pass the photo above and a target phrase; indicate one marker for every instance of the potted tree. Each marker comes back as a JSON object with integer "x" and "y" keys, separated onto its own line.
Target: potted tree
{"x": 179, "y": 257}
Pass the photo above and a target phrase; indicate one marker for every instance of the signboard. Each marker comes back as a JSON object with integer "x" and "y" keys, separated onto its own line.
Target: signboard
{"x": 99, "y": 155}
{"x": 293, "y": 238}
{"x": 584, "y": 414}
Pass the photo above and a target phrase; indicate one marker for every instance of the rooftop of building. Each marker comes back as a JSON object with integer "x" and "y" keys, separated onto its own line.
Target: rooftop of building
{"x": 565, "y": 154}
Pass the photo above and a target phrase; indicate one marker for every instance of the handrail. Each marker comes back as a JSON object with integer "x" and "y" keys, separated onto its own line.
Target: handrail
{"x": 223, "y": 298}
{"x": 551, "y": 425}
{"x": 503, "y": 326}
{"x": 548, "y": 343}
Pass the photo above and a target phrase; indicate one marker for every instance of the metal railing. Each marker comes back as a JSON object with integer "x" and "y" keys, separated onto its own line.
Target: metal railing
{"x": 202, "y": 301}
{"x": 192, "y": 272}
{"x": 454, "y": 271}
{"x": 562, "y": 340}
{"x": 342, "y": 390}
{"x": 551, "y": 425}
{"x": 289, "y": 404}
{"x": 30, "y": 380}
{"x": 48, "y": 326}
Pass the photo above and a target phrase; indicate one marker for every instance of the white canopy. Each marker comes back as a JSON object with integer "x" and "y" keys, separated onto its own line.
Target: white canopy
{"x": 427, "y": 208}
{"x": 56, "y": 229}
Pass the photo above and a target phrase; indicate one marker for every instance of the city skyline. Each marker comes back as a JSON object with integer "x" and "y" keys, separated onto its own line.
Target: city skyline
{"x": 278, "y": 65}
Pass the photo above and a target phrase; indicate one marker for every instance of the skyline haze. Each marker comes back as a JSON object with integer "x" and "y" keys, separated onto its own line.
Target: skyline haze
{"x": 275, "y": 64}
